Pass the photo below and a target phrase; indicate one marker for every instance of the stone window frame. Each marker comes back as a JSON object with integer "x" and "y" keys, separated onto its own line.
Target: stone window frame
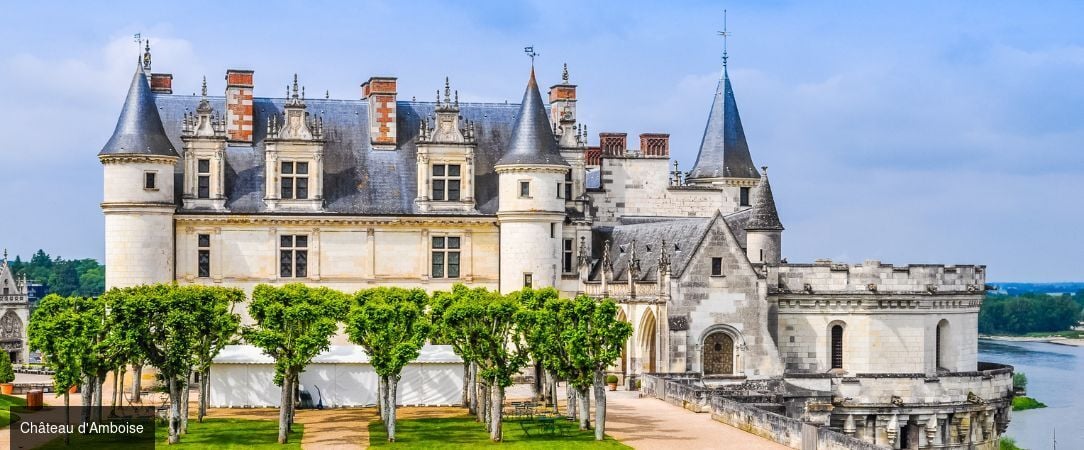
{"x": 203, "y": 255}
{"x": 295, "y": 250}
{"x": 203, "y": 178}
{"x": 150, "y": 180}
{"x": 942, "y": 344}
{"x": 446, "y": 251}
{"x": 568, "y": 255}
{"x": 524, "y": 189}
{"x": 713, "y": 261}
{"x": 831, "y": 344}
{"x": 745, "y": 196}
{"x": 446, "y": 178}
{"x": 295, "y": 165}
{"x": 528, "y": 280}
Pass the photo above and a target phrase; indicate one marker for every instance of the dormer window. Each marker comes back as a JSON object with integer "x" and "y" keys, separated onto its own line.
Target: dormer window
{"x": 203, "y": 178}
{"x": 447, "y": 180}
{"x": 295, "y": 180}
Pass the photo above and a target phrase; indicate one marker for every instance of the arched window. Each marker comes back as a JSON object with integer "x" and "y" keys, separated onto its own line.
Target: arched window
{"x": 837, "y": 346}
{"x": 941, "y": 344}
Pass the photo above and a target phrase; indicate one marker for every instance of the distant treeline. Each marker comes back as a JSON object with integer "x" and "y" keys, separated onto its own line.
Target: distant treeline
{"x": 65, "y": 277}
{"x": 1030, "y": 312}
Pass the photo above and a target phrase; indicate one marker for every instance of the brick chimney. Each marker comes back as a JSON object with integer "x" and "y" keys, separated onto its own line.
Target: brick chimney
{"x": 592, "y": 157}
{"x": 613, "y": 144}
{"x": 655, "y": 144}
{"x": 239, "y": 117}
{"x": 162, "y": 83}
{"x": 562, "y": 97}
{"x": 380, "y": 92}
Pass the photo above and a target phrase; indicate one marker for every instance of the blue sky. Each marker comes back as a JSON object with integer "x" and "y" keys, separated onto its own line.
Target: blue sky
{"x": 910, "y": 132}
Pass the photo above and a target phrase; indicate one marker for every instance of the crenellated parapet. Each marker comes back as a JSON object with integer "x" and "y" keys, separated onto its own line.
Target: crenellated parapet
{"x": 872, "y": 278}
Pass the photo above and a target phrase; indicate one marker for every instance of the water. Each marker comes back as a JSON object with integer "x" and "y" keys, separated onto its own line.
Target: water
{"x": 1055, "y": 377}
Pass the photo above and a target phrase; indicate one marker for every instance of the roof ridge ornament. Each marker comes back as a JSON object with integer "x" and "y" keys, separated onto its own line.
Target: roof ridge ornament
{"x": 725, "y": 34}
{"x": 146, "y": 55}
{"x": 564, "y": 74}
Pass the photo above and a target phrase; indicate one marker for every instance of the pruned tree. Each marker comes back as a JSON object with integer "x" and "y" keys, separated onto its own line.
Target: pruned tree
{"x": 538, "y": 323}
{"x": 593, "y": 337}
{"x": 460, "y": 342}
{"x": 497, "y": 345}
{"x": 219, "y": 326}
{"x": 294, "y": 324}
{"x": 392, "y": 326}
{"x": 56, "y": 329}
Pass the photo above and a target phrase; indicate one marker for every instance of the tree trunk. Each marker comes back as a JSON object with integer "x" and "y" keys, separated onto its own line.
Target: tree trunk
{"x": 293, "y": 404}
{"x": 496, "y": 408}
{"x": 120, "y": 388}
{"x": 67, "y": 418}
{"x": 600, "y": 406}
{"x": 113, "y": 398}
{"x": 393, "y": 385}
{"x": 481, "y": 400}
{"x": 536, "y": 382}
{"x": 553, "y": 392}
{"x": 174, "y": 411}
{"x": 584, "y": 402}
{"x": 284, "y": 408}
{"x": 85, "y": 413}
{"x": 137, "y": 379}
{"x": 466, "y": 386}
{"x": 570, "y": 405}
{"x": 184, "y": 402}
{"x": 204, "y": 385}
{"x": 381, "y": 397}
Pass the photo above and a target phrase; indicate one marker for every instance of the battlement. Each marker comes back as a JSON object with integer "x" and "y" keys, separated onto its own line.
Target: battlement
{"x": 873, "y": 277}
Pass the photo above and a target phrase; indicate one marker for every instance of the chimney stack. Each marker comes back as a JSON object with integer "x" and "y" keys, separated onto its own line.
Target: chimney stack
{"x": 239, "y": 116}
{"x": 655, "y": 144}
{"x": 613, "y": 144}
{"x": 592, "y": 157}
{"x": 380, "y": 92}
{"x": 162, "y": 83}
{"x": 562, "y": 98}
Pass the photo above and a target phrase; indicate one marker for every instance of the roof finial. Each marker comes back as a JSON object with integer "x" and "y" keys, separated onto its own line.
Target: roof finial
{"x": 147, "y": 56}
{"x": 295, "y": 85}
{"x": 302, "y": 92}
{"x": 5, "y": 254}
{"x": 327, "y": 94}
{"x": 764, "y": 169}
{"x": 564, "y": 73}
{"x": 447, "y": 91}
{"x": 725, "y": 34}
{"x": 529, "y": 50}
{"x": 203, "y": 90}
{"x": 457, "y": 98}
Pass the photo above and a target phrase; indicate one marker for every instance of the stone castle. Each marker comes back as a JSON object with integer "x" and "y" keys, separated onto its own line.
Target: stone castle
{"x": 238, "y": 190}
{"x": 14, "y": 313}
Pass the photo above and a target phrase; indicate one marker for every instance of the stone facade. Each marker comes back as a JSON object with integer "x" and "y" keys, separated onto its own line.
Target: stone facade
{"x": 14, "y": 314}
{"x": 352, "y": 194}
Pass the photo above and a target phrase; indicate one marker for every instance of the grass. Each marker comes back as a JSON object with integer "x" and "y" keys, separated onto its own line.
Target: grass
{"x": 1026, "y": 403}
{"x": 463, "y": 431}
{"x": 7, "y": 401}
{"x": 211, "y": 434}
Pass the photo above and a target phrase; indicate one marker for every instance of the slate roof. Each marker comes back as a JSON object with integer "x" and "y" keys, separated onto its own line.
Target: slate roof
{"x": 532, "y": 139}
{"x": 682, "y": 236}
{"x": 139, "y": 129}
{"x": 724, "y": 151}
{"x": 764, "y": 216}
{"x": 358, "y": 180}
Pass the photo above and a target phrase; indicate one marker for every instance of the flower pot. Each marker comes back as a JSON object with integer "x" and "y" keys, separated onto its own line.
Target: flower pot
{"x": 7, "y": 388}
{"x": 613, "y": 386}
{"x": 74, "y": 389}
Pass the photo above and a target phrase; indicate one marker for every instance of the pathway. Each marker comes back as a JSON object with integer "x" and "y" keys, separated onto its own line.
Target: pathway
{"x": 648, "y": 424}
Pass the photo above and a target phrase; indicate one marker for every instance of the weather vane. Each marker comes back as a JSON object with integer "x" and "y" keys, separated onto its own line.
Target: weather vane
{"x": 724, "y": 34}
{"x": 138, "y": 38}
{"x": 529, "y": 50}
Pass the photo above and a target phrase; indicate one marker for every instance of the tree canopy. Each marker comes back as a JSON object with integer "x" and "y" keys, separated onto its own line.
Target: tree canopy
{"x": 65, "y": 277}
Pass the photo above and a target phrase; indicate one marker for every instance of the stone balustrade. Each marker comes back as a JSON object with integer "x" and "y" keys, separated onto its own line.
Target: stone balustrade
{"x": 992, "y": 383}
{"x": 873, "y": 277}
{"x": 620, "y": 290}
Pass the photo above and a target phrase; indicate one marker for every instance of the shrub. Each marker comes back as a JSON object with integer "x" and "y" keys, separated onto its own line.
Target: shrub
{"x": 1008, "y": 443}
{"x": 1019, "y": 380}
{"x": 611, "y": 379}
{"x": 1026, "y": 403}
{"x": 7, "y": 374}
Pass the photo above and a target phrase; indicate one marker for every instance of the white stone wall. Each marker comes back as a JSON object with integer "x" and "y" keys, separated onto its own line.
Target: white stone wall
{"x": 526, "y": 247}
{"x": 138, "y": 246}
{"x": 123, "y": 182}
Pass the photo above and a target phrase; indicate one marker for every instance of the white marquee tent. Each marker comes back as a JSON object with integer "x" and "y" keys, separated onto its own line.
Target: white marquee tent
{"x": 242, "y": 377}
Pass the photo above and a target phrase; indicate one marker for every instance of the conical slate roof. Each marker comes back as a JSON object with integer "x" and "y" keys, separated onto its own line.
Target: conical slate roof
{"x": 139, "y": 130}
{"x": 532, "y": 139}
{"x": 764, "y": 215}
{"x": 723, "y": 150}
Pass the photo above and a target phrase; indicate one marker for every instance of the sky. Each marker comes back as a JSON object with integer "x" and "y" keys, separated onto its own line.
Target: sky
{"x": 907, "y": 132}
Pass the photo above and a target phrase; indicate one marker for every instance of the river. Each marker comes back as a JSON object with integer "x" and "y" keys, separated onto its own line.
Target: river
{"x": 1055, "y": 377}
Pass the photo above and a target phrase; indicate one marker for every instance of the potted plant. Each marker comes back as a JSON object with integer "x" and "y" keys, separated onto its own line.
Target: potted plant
{"x": 611, "y": 380}
{"x": 7, "y": 375}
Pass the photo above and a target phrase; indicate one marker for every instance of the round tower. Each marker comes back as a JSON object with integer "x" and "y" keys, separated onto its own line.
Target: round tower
{"x": 530, "y": 211}
{"x": 763, "y": 231}
{"x": 139, "y": 165}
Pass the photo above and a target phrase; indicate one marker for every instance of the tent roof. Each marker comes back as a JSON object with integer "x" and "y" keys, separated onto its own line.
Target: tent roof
{"x": 337, "y": 354}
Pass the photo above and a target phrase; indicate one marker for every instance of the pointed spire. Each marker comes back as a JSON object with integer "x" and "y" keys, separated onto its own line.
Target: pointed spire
{"x": 532, "y": 141}
{"x": 765, "y": 217}
{"x": 724, "y": 151}
{"x": 139, "y": 129}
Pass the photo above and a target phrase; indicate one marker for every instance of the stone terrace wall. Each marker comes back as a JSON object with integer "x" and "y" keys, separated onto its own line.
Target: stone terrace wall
{"x": 825, "y": 276}
{"x": 685, "y": 392}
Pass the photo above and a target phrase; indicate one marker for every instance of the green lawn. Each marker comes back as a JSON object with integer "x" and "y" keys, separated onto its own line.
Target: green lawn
{"x": 211, "y": 434}
{"x": 7, "y": 401}
{"x": 460, "y": 432}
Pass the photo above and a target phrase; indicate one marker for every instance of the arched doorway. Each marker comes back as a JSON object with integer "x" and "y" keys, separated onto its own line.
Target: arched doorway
{"x": 718, "y": 354}
{"x": 647, "y": 343}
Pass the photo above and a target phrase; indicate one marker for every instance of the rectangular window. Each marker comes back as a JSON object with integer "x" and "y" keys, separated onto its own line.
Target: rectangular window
{"x": 445, "y": 256}
{"x": 149, "y": 180}
{"x": 560, "y": 189}
{"x": 524, "y": 189}
{"x": 528, "y": 280}
{"x": 761, "y": 255}
{"x": 293, "y": 256}
{"x": 203, "y": 178}
{"x": 553, "y": 230}
{"x": 447, "y": 179}
{"x": 203, "y": 255}
{"x": 716, "y": 267}
{"x": 295, "y": 180}
{"x": 566, "y": 256}
{"x": 743, "y": 197}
